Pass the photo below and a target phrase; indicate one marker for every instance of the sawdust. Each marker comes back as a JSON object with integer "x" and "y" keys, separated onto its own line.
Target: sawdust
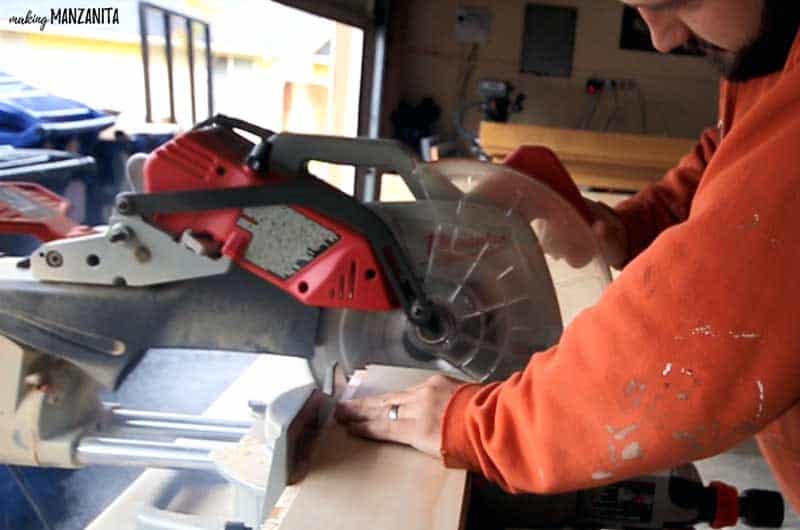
{"x": 760, "y": 386}
{"x": 703, "y": 331}
{"x": 683, "y": 396}
{"x": 744, "y": 335}
{"x": 667, "y": 370}
{"x": 622, "y": 433}
{"x": 602, "y": 475}
{"x": 632, "y": 451}
{"x": 246, "y": 460}
{"x": 754, "y": 221}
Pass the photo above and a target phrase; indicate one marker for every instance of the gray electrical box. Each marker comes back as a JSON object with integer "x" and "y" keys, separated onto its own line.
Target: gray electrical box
{"x": 548, "y": 41}
{"x": 473, "y": 24}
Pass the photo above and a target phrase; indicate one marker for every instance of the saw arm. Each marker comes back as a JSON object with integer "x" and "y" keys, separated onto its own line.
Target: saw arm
{"x": 255, "y": 207}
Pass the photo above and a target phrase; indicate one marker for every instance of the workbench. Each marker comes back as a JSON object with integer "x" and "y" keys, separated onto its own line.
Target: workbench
{"x": 207, "y": 494}
{"x": 599, "y": 160}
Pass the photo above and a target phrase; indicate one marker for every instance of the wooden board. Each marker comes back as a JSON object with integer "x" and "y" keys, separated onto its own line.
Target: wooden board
{"x": 355, "y": 483}
{"x": 594, "y": 159}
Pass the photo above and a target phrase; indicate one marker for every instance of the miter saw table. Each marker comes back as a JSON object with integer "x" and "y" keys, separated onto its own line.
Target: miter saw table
{"x": 204, "y": 494}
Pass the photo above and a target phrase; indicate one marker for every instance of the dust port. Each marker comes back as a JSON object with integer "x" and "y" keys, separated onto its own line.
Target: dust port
{"x": 370, "y": 274}
{"x": 220, "y": 171}
{"x": 302, "y": 287}
{"x": 92, "y": 260}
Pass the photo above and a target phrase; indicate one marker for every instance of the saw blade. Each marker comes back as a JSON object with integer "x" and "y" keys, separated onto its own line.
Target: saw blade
{"x": 480, "y": 263}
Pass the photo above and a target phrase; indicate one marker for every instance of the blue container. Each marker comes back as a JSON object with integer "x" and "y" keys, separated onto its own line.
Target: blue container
{"x": 30, "y": 117}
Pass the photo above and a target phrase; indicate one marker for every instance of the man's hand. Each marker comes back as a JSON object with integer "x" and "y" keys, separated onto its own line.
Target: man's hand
{"x": 419, "y": 412}
{"x": 610, "y": 233}
{"x": 560, "y": 239}
{"x": 612, "y": 237}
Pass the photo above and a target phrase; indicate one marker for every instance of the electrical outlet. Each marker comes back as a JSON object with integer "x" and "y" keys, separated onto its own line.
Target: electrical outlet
{"x": 623, "y": 83}
{"x": 473, "y": 24}
{"x": 596, "y": 84}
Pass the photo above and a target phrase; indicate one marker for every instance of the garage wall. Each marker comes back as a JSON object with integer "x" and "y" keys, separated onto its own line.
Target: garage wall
{"x": 424, "y": 59}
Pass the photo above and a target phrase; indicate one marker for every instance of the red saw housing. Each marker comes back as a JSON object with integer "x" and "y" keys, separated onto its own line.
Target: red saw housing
{"x": 317, "y": 260}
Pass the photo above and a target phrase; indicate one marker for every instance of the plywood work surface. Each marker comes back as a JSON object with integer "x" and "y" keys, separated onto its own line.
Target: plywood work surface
{"x": 355, "y": 483}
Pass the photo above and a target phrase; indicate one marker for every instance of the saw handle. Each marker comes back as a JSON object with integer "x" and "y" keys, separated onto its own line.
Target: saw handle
{"x": 292, "y": 152}
{"x": 542, "y": 164}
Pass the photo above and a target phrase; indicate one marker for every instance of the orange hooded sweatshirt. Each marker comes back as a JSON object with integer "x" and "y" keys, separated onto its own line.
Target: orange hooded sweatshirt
{"x": 694, "y": 348}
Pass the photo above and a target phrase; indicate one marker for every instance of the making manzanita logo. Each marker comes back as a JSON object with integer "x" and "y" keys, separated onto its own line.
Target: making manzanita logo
{"x": 69, "y": 15}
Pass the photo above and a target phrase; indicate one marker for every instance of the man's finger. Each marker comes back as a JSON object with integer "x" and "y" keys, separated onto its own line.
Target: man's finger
{"x": 368, "y": 408}
{"x": 599, "y": 228}
{"x": 346, "y": 411}
{"x": 400, "y": 430}
{"x": 431, "y": 381}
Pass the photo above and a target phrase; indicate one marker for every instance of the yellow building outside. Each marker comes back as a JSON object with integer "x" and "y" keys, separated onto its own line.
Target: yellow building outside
{"x": 306, "y": 79}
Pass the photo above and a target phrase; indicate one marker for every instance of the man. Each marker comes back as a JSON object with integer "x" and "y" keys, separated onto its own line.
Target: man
{"x": 695, "y": 347}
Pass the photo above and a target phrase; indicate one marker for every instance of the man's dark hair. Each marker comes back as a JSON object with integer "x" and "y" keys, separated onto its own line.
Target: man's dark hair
{"x": 768, "y": 53}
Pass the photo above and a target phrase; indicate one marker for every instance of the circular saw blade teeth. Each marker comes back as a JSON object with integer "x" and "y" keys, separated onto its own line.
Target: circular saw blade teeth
{"x": 466, "y": 259}
{"x": 483, "y": 267}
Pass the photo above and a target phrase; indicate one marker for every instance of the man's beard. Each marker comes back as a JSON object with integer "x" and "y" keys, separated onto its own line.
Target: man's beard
{"x": 764, "y": 56}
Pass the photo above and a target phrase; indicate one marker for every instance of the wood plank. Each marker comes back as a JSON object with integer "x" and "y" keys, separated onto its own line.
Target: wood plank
{"x": 594, "y": 159}
{"x": 355, "y": 483}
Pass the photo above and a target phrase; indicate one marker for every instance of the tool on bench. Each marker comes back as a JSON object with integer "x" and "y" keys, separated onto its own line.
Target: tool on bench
{"x": 671, "y": 499}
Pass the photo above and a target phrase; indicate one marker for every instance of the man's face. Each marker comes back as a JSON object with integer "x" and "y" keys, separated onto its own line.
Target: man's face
{"x": 727, "y": 31}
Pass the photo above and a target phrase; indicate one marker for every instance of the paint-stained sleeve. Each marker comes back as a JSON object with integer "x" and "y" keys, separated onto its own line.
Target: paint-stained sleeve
{"x": 691, "y": 350}
{"x": 666, "y": 202}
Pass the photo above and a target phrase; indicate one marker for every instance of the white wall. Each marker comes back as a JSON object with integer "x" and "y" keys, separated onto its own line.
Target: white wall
{"x": 425, "y": 59}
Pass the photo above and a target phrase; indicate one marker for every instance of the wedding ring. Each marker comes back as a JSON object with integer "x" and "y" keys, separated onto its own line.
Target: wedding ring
{"x": 394, "y": 412}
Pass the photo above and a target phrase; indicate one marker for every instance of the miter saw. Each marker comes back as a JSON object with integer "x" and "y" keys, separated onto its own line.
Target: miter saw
{"x": 227, "y": 244}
